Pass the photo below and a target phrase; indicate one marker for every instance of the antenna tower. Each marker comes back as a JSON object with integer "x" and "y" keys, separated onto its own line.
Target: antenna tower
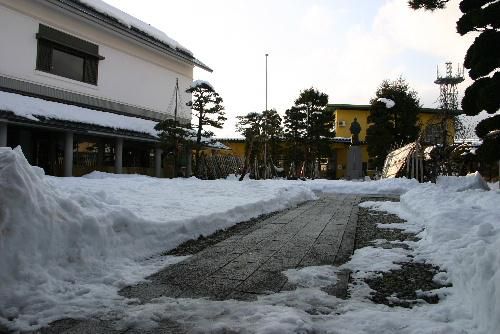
{"x": 448, "y": 102}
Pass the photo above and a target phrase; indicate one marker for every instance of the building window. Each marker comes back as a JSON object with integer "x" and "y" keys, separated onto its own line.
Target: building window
{"x": 67, "y": 56}
{"x": 433, "y": 134}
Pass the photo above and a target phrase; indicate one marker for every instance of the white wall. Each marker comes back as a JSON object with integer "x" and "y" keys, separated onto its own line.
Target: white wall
{"x": 129, "y": 74}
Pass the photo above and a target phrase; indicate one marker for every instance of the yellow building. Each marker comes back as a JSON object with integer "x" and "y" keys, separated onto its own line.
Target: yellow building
{"x": 429, "y": 121}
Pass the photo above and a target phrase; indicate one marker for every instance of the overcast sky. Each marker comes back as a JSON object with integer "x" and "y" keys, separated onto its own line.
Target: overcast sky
{"x": 343, "y": 48}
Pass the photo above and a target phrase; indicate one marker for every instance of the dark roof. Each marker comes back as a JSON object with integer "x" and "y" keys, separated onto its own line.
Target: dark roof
{"x": 350, "y": 106}
{"x": 367, "y": 107}
{"x": 73, "y": 126}
{"x": 90, "y": 13}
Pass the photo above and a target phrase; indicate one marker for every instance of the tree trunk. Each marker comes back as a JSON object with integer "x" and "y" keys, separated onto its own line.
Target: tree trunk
{"x": 198, "y": 144}
{"x": 247, "y": 159}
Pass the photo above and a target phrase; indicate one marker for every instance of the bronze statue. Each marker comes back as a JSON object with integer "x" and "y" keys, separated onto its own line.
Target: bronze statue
{"x": 355, "y": 130}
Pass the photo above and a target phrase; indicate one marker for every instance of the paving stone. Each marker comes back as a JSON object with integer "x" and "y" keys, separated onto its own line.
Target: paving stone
{"x": 263, "y": 282}
{"x": 145, "y": 292}
{"x": 215, "y": 288}
{"x": 164, "y": 327}
{"x": 237, "y": 270}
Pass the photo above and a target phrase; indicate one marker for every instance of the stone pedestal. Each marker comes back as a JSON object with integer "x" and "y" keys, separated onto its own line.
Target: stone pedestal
{"x": 354, "y": 169}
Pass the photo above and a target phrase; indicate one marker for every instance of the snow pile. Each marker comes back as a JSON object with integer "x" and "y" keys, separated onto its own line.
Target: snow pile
{"x": 461, "y": 234}
{"x": 384, "y": 186}
{"x": 388, "y": 102}
{"x": 316, "y": 277}
{"x": 456, "y": 183}
{"x": 31, "y": 107}
{"x": 132, "y": 22}
{"x": 368, "y": 260}
{"x": 67, "y": 245}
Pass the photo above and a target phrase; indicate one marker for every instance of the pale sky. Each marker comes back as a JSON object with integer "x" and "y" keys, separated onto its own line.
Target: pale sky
{"x": 343, "y": 48}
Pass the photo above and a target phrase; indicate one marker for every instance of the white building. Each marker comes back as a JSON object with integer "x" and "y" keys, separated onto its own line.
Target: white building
{"x": 82, "y": 85}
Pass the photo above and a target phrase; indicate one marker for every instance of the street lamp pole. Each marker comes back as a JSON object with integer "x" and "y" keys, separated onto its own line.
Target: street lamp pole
{"x": 265, "y": 130}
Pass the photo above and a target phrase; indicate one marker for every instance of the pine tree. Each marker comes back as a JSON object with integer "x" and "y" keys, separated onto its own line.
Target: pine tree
{"x": 483, "y": 61}
{"x": 294, "y": 131}
{"x": 318, "y": 124}
{"x": 427, "y": 4}
{"x": 173, "y": 135}
{"x": 272, "y": 130}
{"x": 392, "y": 126}
{"x": 250, "y": 126}
{"x": 209, "y": 111}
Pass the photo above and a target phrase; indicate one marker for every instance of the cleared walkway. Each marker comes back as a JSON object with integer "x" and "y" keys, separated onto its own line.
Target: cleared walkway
{"x": 245, "y": 265}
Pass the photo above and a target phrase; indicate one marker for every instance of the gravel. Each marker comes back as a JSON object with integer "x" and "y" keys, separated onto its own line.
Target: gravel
{"x": 396, "y": 287}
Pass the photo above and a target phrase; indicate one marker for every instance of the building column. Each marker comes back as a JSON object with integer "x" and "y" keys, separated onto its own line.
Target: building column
{"x": 119, "y": 155}
{"x": 3, "y": 134}
{"x": 158, "y": 156}
{"x": 68, "y": 154}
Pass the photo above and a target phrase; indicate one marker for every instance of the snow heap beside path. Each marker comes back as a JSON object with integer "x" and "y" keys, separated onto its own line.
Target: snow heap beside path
{"x": 67, "y": 245}
{"x": 460, "y": 225}
{"x": 457, "y": 183}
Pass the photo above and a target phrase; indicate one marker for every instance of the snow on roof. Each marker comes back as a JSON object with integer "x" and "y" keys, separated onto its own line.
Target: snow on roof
{"x": 132, "y": 22}
{"x": 197, "y": 83}
{"x": 388, "y": 102}
{"x": 31, "y": 107}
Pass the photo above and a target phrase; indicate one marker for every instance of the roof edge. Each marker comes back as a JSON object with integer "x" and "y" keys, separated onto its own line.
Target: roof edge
{"x": 93, "y": 15}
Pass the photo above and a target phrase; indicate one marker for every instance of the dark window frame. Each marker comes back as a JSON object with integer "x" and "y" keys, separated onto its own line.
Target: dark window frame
{"x": 50, "y": 39}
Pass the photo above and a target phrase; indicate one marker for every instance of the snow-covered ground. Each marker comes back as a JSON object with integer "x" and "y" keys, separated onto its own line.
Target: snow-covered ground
{"x": 67, "y": 245}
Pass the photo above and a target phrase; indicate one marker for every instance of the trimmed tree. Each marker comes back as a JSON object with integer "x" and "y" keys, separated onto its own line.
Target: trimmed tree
{"x": 294, "y": 132}
{"x": 209, "y": 111}
{"x": 250, "y": 127}
{"x": 390, "y": 126}
{"x": 272, "y": 131}
{"x": 172, "y": 135}
{"x": 483, "y": 61}
{"x": 318, "y": 125}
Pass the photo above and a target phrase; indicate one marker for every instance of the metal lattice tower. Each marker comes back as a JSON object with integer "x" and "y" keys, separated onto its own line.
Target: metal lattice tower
{"x": 448, "y": 104}
{"x": 448, "y": 97}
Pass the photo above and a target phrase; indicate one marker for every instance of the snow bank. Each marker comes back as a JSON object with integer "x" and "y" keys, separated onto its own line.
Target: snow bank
{"x": 381, "y": 187}
{"x": 67, "y": 245}
{"x": 461, "y": 234}
{"x": 457, "y": 183}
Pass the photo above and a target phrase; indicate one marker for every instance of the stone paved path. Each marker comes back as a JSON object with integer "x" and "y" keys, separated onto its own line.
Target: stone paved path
{"x": 247, "y": 264}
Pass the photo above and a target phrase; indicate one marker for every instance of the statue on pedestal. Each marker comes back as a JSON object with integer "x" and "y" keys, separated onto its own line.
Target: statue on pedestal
{"x": 355, "y": 130}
